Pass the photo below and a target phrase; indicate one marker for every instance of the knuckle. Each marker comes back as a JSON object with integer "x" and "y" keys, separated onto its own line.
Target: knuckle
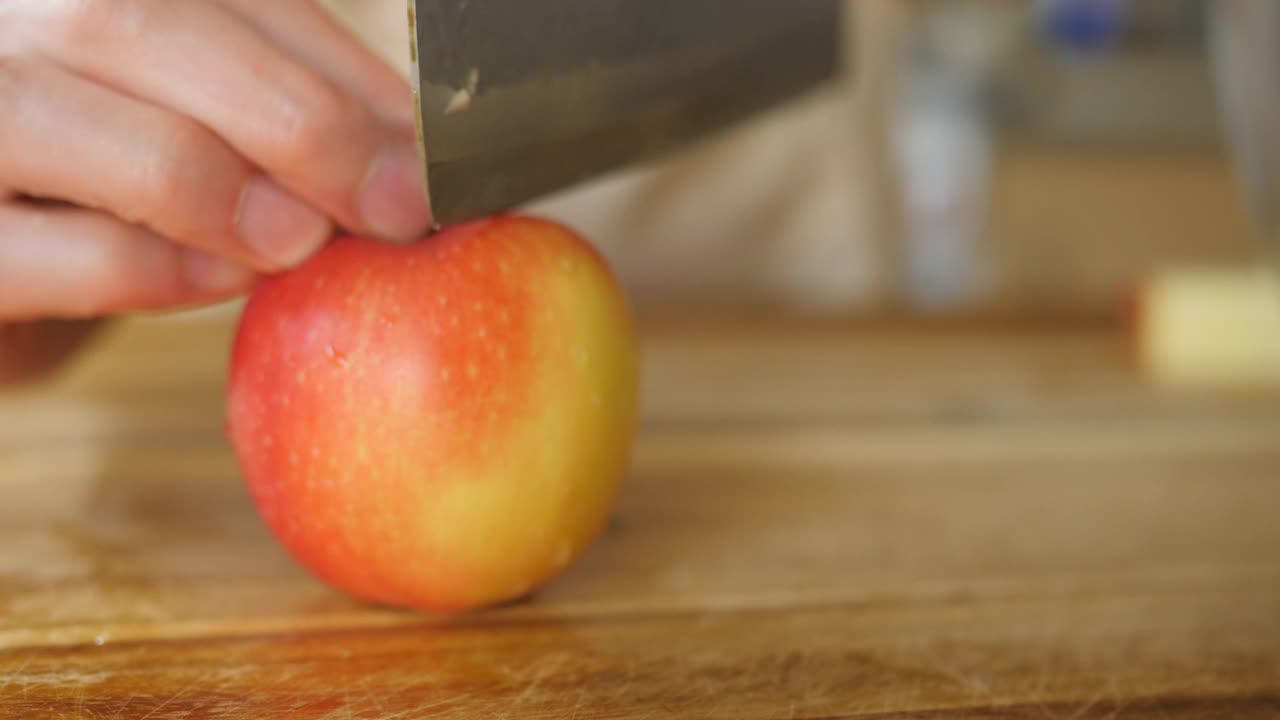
{"x": 12, "y": 81}
{"x": 318, "y": 118}
{"x": 16, "y": 78}
{"x": 130, "y": 260}
{"x": 134, "y": 267}
{"x": 98, "y": 24}
{"x": 12, "y": 71}
{"x": 179, "y": 155}
{"x": 18, "y": 99}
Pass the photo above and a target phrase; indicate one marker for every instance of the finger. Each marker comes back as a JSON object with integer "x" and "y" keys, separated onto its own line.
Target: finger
{"x": 64, "y": 137}
{"x": 75, "y": 263}
{"x": 306, "y": 31}
{"x": 200, "y": 60}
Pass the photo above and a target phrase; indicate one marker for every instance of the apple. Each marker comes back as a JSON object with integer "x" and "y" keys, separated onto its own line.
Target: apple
{"x": 443, "y": 425}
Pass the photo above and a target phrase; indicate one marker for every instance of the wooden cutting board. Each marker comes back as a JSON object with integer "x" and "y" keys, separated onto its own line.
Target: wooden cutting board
{"x": 825, "y": 520}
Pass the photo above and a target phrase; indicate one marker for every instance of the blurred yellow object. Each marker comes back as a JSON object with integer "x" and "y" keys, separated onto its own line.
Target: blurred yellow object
{"x": 1216, "y": 327}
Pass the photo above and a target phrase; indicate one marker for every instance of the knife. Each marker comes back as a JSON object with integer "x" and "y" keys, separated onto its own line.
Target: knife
{"x": 518, "y": 99}
{"x": 1244, "y": 45}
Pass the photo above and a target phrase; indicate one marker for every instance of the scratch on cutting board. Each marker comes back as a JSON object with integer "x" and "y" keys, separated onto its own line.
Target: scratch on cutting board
{"x": 1086, "y": 707}
{"x": 346, "y": 689}
{"x": 628, "y": 679}
{"x": 1110, "y": 693}
{"x": 544, "y": 669}
{"x": 371, "y": 696}
{"x": 9, "y": 679}
{"x": 973, "y": 682}
{"x": 376, "y": 699}
{"x": 182, "y": 691}
{"x": 579, "y": 699}
{"x": 120, "y": 710}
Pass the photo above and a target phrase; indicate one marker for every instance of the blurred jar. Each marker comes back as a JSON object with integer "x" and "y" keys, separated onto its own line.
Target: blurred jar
{"x": 1047, "y": 155}
{"x": 941, "y": 140}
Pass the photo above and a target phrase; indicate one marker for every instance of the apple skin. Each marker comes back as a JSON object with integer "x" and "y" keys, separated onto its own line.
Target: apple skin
{"x": 440, "y": 426}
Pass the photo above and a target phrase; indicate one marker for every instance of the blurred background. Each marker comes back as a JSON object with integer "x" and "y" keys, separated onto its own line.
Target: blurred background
{"x": 1040, "y": 155}
{"x": 1046, "y": 158}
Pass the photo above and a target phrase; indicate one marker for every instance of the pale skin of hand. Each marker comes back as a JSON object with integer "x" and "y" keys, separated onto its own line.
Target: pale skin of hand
{"x": 158, "y": 154}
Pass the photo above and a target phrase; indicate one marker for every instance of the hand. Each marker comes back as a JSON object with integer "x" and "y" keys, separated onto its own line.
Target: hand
{"x": 162, "y": 153}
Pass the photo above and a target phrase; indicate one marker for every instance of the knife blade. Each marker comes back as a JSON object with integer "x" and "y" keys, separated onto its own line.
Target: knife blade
{"x": 518, "y": 99}
{"x": 1244, "y": 51}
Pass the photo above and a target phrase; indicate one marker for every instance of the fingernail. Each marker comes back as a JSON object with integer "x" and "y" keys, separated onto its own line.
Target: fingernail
{"x": 213, "y": 275}
{"x": 393, "y": 200}
{"x": 278, "y": 227}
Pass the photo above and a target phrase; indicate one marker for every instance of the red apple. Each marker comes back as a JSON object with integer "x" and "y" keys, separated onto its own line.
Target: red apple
{"x": 443, "y": 425}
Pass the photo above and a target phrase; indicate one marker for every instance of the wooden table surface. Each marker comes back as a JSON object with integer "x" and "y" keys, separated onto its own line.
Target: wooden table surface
{"x": 824, "y": 521}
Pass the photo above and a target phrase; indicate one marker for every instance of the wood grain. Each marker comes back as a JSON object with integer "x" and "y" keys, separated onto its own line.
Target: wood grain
{"x": 825, "y": 520}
